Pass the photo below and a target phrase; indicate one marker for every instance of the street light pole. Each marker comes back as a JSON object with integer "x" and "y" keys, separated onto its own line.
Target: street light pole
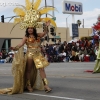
{"x": 66, "y": 22}
{"x": 66, "y": 27}
{"x": 83, "y": 23}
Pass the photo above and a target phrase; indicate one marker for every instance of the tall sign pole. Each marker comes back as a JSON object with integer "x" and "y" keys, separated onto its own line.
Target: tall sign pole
{"x": 53, "y": 18}
{"x": 53, "y": 10}
{"x": 73, "y": 8}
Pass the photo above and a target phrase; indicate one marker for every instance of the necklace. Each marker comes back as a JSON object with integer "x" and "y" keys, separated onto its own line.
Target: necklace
{"x": 31, "y": 36}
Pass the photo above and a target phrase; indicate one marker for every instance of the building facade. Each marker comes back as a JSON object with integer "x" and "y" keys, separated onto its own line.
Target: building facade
{"x": 8, "y": 39}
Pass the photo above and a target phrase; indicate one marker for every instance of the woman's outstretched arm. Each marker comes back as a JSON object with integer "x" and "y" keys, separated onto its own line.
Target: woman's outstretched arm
{"x": 19, "y": 45}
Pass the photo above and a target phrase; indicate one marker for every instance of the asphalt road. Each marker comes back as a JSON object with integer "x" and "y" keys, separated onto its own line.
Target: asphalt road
{"x": 69, "y": 81}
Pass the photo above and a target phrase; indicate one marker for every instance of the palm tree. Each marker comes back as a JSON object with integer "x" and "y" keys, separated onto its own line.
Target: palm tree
{"x": 79, "y": 22}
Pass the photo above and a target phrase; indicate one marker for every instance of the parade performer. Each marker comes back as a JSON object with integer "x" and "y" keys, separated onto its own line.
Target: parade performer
{"x": 28, "y": 70}
{"x": 97, "y": 65}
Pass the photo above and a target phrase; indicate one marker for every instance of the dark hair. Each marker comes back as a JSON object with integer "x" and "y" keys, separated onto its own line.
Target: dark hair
{"x": 34, "y": 33}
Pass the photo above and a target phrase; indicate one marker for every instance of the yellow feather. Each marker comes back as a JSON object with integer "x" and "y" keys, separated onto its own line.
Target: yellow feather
{"x": 28, "y": 4}
{"x": 46, "y": 10}
{"x": 37, "y": 4}
{"x": 19, "y": 11}
{"x": 17, "y": 20}
{"x": 49, "y": 19}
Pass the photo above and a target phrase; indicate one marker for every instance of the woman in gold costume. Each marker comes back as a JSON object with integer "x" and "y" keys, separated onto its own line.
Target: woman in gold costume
{"x": 34, "y": 56}
{"x": 28, "y": 70}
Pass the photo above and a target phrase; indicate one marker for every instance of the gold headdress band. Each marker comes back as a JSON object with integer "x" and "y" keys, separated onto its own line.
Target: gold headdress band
{"x": 31, "y": 15}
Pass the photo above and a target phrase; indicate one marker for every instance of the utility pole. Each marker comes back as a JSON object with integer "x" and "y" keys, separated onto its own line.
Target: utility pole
{"x": 46, "y": 5}
{"x": 46, "y": 16}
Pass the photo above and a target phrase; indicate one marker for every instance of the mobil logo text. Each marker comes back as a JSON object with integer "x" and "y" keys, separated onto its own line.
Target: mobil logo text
{"x": 73, "y": 7}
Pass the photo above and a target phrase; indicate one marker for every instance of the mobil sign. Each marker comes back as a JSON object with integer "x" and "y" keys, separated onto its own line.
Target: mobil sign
{"x": 71, "y": 7}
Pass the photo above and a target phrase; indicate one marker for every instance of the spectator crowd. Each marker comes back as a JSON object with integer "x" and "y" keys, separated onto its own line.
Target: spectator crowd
{"x": 83, "y": 50}
{"x": 6, "y": 56}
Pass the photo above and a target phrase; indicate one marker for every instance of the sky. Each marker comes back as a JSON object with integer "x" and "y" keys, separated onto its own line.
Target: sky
{"x": 91, "y": 10}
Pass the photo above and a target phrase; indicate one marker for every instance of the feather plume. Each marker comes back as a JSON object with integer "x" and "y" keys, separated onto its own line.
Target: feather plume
{"x": 22, "y": 7}
{"x": 49, "y": 19}
{"x": 17, "y": 20}
{"x": 46, "y": 9}
{"x": 14, "y": 27}
{"x": 28, "y": 4}
{"x": 49, "y": 14}
{"x": 37, "y": 4}
{"x": 19, "y": 11}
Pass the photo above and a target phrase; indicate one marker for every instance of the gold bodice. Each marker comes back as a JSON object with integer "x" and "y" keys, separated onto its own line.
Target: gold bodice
{"x": 33, "y": 45}
{"x": 34, "y": 52}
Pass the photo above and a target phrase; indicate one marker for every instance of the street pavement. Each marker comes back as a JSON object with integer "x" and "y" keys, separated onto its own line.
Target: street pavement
{"x": 69, "y": 81}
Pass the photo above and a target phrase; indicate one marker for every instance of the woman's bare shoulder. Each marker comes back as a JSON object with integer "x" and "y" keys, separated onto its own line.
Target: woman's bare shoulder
{"x": 24, "y": 38}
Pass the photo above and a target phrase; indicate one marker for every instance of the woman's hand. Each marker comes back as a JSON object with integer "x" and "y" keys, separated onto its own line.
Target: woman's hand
{"x": 12, "y": 48}
{"x": 48, "y": 23}
{"x": 45, "y": 29}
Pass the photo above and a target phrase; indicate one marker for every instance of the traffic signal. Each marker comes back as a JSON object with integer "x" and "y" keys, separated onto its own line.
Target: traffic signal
{"x": 2, "y": 18}
{"x": 43, "y": 26}
{"x": 42, "y": 39}
{"x": 52, "y": 31}
{"x": 53, "y": 40}
{"x": 46, "y": 38}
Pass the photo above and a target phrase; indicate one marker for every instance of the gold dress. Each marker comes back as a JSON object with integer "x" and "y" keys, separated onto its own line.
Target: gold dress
{"x": 34, "y": 52}
{"x": 19, "y": 67}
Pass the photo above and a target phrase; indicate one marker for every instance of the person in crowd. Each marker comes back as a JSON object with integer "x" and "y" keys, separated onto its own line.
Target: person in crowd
{"x": 82, "y": 53}
{"x": 0, "y": 55}
{"x": 73, "y": 51}
{"x": 62, "y": 56}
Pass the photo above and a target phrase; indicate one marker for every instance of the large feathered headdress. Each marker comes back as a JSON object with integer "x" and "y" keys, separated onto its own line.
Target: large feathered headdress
{"x": 30, "y": 15}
